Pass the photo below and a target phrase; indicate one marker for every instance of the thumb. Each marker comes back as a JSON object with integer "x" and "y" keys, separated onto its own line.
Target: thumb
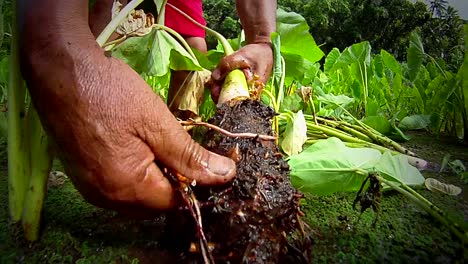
{"x": 228, "y": 64}
{"x": 174, "y": 147}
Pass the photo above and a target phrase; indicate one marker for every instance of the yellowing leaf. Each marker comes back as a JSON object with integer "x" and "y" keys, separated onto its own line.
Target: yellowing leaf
{"x": 435, "y": 185}
{"x": 192, "y": 91}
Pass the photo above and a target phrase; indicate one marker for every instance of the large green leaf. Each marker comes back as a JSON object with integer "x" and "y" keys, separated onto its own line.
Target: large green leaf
{"x": 378, "y": 123}
{"x": 358, "y": 53}
{"x": 331, "y": 59}
{"x": 293, "y": 103}
{"x": 155, "y": 54}
{"x": 329, "y": 166}
{"x": 299, "y": 69}
{"x": 335, "y": 100}
{"x": 295, "y": 36}
{"x": 295, "y": 135}
{"x": 134, "y": 51}
{"x": 415, "y": 55}
{"x": 415, "y": 122}
{"x": 390, "y": 62}
{"x": 397, "y": 168}
{"x": 167, "y": 53}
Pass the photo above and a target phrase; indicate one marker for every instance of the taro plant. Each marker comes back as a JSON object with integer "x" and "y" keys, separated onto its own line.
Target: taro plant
{"x": 29, "y": 155}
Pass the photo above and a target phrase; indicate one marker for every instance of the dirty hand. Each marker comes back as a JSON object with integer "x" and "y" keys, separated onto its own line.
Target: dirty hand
{"x": 110, "y": 128}
{"x": 253, "y": 59}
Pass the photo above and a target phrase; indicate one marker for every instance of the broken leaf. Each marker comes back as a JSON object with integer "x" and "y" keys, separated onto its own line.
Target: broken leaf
{"x": 435, "y": 185}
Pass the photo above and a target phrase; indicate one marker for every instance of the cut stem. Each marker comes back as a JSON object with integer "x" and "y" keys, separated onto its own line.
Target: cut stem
{"x": 112, "y": 26}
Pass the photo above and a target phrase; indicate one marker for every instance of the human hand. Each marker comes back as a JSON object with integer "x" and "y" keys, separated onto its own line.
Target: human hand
{"x": 253, "y": 59}
{"x": 110, "y": 128}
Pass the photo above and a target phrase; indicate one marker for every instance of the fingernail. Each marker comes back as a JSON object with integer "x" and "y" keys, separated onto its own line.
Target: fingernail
{"x": 221, "y": 166}
{"x": 215, "y": 75}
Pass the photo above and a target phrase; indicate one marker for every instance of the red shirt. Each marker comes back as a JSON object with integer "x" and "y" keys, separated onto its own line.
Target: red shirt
{"x": 182, "y": 25}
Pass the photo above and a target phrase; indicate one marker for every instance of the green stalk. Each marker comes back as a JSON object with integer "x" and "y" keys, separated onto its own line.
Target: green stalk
{"x": 340, "y": 125}
{"x": 376, "y": 136}
{"x": 334, "y": 133}
{"x": 41, "y": 164}
{"x": 235, "y": 84}
{"x": 18, "y": 158}
{"x": 112, "y": 26}
{"x": 428, "y": 207}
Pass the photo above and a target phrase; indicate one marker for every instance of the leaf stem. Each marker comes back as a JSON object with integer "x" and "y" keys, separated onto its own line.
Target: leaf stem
{"x": 428, "y": 207}
{"x": 112, "y": 26}
{"x": 226, "y": 46}
{"x": 18, "y": 147}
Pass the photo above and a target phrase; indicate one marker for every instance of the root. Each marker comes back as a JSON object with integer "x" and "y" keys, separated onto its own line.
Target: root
{"x": 183, "y": 183}
{"x": 227, "y": 133}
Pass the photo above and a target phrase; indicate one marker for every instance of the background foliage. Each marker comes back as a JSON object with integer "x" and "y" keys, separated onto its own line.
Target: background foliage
{"x": 386, "y": 24}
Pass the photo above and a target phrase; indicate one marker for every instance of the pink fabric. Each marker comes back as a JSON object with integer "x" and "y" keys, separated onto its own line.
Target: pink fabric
{"x": 182, "y": 25}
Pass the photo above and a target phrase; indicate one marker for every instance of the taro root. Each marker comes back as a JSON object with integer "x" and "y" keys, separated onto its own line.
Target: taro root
{"x": 249, "y": 219}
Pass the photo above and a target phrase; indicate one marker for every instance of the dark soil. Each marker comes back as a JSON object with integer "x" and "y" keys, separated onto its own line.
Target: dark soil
{"x": 255, "y": 213}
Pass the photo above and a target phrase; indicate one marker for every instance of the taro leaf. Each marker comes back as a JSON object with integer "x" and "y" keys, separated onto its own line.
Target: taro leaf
{"x": 378, "y": 66}
{"x": 415, "y": 122}
{"x": 134, "y": 52}
{"x": 295, "y": 135}
{"x": 331, "y": 59}
{"x": 335, "y": 100}
{"x": 378, "y": 123}
{"x": 295, "y": 36}
{"x": 435, "y": 185}
{"x": 293, "y": 103}
{"x": 328, "y": 166}
{"x": 299, "y": 69}
{"x": 390, "y": 62}
{"x": 372, "y": 107}
{"x": 397, "y": 168}
{"x": 358, "y": 53}
{"x": 415, "y": 55}
{"x": 166, "y": 53}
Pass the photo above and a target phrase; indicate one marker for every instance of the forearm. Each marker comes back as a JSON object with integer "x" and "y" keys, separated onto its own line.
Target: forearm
{"x": 258, "y": 18}
{"x": 56, "y": 46}
{"x": 51, "y": 25}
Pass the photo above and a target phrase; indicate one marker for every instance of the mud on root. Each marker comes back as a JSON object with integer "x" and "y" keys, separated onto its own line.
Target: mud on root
{"x": 250, "y": 219}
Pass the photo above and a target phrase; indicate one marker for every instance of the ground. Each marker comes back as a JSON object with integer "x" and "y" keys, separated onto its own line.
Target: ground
{"x": 75, "y": 232}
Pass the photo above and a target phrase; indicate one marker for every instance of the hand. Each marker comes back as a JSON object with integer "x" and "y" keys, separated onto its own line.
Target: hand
{"x": 253, "y": 59}
{"x": 110, "y": 128}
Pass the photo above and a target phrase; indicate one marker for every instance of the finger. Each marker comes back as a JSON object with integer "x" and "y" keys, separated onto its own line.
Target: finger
{"x": 154, "y": 190}
{"x": 174, "y": 147}
{"x": 215, "y": 90}
{"x": 248, "y": 74}
{"x": 228, "y": 64}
